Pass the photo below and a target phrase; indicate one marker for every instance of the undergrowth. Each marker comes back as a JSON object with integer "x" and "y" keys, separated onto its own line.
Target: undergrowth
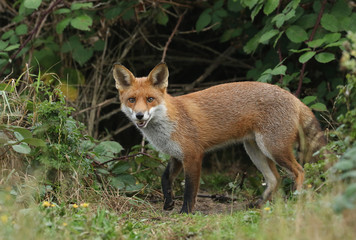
{"x": 58, "y": 182}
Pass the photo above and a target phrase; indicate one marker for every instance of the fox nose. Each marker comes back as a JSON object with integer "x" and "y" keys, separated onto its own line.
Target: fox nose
{"x": 139, "y": 115}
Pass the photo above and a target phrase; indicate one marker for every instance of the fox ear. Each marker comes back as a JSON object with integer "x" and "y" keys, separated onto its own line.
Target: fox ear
{"x": 123, "y": 77}
{"x": 159, "y": 76}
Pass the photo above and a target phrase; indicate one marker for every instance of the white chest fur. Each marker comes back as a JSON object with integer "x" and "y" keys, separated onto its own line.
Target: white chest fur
{"x": 159, "y": 130}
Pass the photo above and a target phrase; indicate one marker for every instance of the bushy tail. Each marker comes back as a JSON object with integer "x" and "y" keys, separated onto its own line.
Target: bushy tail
{"x": 311, "y": 137}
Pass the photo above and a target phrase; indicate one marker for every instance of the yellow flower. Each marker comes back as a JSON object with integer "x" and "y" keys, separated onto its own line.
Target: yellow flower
{"x": 75, "y": 205}
{"x": 267, "y": 209}
{"x": 4, "y": 218}
{"x": 46, "y": 204}
{"x": 53, "y": 205}
{"x": 84, "y": 205}
{"x": 309, "y": 186}
{"x": 64, "y": 224}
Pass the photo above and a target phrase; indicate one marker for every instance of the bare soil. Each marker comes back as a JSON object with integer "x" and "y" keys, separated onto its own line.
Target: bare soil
{"x": 206, "y": 205}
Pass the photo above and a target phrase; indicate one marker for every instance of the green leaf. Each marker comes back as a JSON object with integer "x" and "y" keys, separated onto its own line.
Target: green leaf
{"x": 234, "y": 6}
{"x": 35, "y": 142}
{"x": 300, "y": 50}
{"x": 249, "y": 3}
{"x": 341, "y": 9}
{"x": 306, "y": 56}
{"x": 82, "y": 22}
{"x": 268, "y": 35}
{"x": 264, "y": 78}
{"x": 24, "y": 132}
{"x": 280, "y": 70}
{"x": 21, "y": 29}
{"x": 120, "y": 167}
{"x": 3, "y": 45}
{"x": 318, "y": 107}
{"x": 22, "y": 148}
{"x": 331, "y": 37}
{"x": 32, "y": 4}
{"x": 113, "y": 12}
{"x": 350, "y": 174}
{"x": 335, "y": 44}
{"x": 270, "y": 6}
{"x": 329, "y": 22}
{"x": 62, "y": 11}
{"x": 316, "y": 43}
{"x": 203, "y": 20}
{"x": 62, "y": 25}
{"x": 308, "y": 99}
{"x": 7, "y": 34}
{"x": 256, "y": 10}
{"x": 325, "y": 57}
{"x": 162, "y": 18}
{"x": 218, "y": 4}
{"x": 76, "y": 6}
{"x": 344, "y": 165}
{"x": 12, "y": 47}
{"x": 307, "y": 21}
{"x": 18, "y": 136}
{"x": 252, "y": 44}
{"x": 82, "y": 55}
{"x": 108, "y": 146}
{"x": 296, "y": 34}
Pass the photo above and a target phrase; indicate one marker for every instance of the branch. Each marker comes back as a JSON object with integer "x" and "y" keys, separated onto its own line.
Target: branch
{"x": 171, "y": 37}
{"x": 106, "y": 102}
{"x": 230, "y": 50}
{"x": 126, "y": 158}
{"x": 301, "y": 77}
{"x": 32, "y": 33}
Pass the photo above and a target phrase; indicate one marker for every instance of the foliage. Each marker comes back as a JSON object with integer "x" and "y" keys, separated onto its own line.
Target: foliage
{"x": 281, "y": 42}
{"x": 51, "y": 140}
{"x": 346, "y": 132}
{"x": 301, "y": 219}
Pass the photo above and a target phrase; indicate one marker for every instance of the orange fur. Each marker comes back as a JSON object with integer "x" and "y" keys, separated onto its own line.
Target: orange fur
{"x": 267, "y": 119}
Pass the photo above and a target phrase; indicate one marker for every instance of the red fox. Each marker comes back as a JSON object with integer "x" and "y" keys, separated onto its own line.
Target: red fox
{"x": 267, "y": 119}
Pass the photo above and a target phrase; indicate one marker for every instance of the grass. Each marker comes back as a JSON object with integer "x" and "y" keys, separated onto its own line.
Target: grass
{"x": 109, "y": 216}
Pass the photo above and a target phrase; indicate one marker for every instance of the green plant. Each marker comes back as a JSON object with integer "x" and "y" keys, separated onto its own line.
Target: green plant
{"x": 346, "y": 132}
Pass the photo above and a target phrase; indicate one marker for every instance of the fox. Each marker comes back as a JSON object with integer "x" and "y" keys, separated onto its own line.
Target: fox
{"x": 268, "y": 120}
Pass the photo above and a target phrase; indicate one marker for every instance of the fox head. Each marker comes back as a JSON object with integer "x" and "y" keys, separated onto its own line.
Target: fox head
{"x": 142, "y": 98}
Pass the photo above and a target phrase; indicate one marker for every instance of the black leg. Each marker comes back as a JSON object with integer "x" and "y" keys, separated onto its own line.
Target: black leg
{"x": 172, "y": 170}
{"x": 189, "y": 197}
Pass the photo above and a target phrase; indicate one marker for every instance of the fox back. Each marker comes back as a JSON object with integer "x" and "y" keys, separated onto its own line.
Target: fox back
{"x": 267, "y": 119}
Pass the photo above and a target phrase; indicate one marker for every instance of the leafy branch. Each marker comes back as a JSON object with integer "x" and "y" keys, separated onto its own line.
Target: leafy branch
{"x": 33, "y": 33}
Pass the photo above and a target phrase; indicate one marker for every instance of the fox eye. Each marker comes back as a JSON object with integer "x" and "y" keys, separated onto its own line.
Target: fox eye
{"x": 150, "y": 99}
{"x": 132, "y": 100}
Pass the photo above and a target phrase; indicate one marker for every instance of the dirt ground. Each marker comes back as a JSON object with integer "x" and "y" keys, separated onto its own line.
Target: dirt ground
{"x": 206, "y": 205}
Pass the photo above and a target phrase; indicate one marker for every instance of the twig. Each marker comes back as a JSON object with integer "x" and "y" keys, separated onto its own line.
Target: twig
{"x": 106, "y": 102}
{"x": 126, "y": 158}
{"x": 32, "y": 33}
{"x": 217, "y": 197}
{"x": 171, "y": 36}
{"x": 301, "y": 77}
{"x": 117, "y": 131}
{"x": 203, "y": 30}
{"x": 230, "y": 50}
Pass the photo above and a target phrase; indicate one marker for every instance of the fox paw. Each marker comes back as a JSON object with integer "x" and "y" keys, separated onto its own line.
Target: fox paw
{"x": 168, "y": 205}
{"x": 256, "y": 204}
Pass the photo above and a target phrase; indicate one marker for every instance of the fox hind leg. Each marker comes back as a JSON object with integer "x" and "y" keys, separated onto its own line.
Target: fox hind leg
{"x": 282, "y": 154}
{"x": 268, "y": 169}
{"x": 173, "y": 168}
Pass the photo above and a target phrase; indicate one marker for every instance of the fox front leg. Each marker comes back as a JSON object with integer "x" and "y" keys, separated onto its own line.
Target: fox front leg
{"x": 173, "y": 168}
{"x": 192, "y": 171}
